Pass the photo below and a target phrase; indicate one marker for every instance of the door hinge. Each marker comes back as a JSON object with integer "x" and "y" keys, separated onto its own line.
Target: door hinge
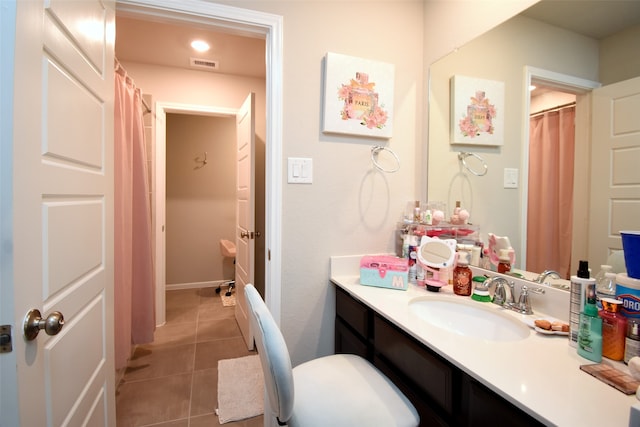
{"x": 5, "y": 339}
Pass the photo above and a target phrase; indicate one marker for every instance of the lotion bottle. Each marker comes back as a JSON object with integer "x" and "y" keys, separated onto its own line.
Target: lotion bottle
{"x": 590, "y": 333}
{"x": 614, "y": 329}
{"x": 579, "y": 284}
{"x": 462, "y": 275}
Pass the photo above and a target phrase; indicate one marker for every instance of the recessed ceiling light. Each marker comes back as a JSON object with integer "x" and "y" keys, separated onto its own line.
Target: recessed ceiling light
{"x": 531, "y": 88}
{"x": 200, "y": 45}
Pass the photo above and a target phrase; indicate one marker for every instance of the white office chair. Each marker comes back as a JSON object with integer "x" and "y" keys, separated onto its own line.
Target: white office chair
{"x": 338, "y": 390}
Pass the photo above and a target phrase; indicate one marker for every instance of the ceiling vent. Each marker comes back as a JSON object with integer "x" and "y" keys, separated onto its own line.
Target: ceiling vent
{"x": 205, "y": 64}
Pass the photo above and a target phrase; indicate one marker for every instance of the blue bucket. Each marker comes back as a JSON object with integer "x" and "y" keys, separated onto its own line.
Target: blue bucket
{"x": 631, "y": 247}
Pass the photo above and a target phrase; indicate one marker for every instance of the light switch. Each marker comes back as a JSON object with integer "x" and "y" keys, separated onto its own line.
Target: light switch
{"x": 510, "y": 178}
{"x": 299, "y": 170}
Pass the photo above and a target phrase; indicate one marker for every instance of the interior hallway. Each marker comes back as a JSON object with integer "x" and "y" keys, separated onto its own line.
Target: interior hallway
{"x": 173, "y": 381}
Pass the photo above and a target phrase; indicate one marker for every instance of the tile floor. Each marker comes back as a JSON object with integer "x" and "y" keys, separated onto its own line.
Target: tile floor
{"x": 173, "y": 381}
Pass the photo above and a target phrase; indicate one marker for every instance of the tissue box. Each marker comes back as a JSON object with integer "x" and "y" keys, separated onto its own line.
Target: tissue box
{"x": 384, "y": 271}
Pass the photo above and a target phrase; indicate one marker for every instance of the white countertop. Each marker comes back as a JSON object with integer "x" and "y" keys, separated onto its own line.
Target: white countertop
{"x": 539, "y": 374}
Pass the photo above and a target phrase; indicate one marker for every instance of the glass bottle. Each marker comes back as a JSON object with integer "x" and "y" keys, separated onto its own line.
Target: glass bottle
{"x": 462, "y": 275}
{"x": 614, "y": 329}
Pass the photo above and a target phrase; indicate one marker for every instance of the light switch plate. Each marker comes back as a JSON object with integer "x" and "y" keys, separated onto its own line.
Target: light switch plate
{"x": 299, "y": 170}
{"x": 510, "y": 178}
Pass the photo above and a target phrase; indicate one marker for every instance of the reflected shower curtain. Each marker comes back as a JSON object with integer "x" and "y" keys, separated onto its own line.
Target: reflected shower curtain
{"x": 550, "y": 204}
{"x": 134, "y": 299}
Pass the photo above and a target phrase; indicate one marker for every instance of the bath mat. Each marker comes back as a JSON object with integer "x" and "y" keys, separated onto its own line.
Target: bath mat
{"x": 240, "y": 389}
{"x": 228, "y": 301}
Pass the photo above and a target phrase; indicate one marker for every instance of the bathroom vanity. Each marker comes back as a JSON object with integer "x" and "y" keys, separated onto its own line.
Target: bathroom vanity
{"x": 457, "y": 379}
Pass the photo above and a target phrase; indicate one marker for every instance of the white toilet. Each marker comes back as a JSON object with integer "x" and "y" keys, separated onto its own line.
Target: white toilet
{"x": 228, "y": 250}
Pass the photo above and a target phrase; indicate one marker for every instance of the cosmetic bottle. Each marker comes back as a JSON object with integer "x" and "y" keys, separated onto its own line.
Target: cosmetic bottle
{"x": 416, "y": 212}
{"x": 462, "y": 275}
{"x": 577, "y": 298}
{"x": 504, "y": 262}
{"x": 590, "y": 333}
{"x": 614, "y": 329}
{"x": 632, "y": 341}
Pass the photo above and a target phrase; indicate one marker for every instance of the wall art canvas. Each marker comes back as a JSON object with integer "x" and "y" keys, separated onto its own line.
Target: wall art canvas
{"x": 358, "y": 96}
{"x": 477, "y": 111}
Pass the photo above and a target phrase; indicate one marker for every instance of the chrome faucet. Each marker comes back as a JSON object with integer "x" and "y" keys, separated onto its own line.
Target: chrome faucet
{"x": 545, "y": 274}
{"x": 500, "y": 293}
{"x": 500, "y": 297}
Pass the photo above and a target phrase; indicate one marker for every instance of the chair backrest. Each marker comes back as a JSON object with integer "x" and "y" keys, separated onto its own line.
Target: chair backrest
{"x": 274, "y": 355}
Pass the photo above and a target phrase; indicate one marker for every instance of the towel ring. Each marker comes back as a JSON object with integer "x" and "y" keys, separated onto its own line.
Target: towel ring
{"x": 374, "y": 156}
{"x": 462, "y": 156}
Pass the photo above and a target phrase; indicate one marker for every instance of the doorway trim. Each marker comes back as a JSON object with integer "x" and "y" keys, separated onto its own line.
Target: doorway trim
{"x": 160, "y": 193}
{"x": 582, "y": 89}
{"x": 255, "y": 24}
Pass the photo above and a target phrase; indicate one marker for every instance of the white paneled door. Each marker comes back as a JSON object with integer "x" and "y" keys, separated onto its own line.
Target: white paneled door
{"x": 245, "y": 211}
{"x": 615, "y": 171}
{"x": 62, "y": 204}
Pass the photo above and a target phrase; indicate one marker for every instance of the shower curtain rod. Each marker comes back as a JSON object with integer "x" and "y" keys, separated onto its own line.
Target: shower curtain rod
{"x": 559, "y": 107}
{"x": 144, "y": 103}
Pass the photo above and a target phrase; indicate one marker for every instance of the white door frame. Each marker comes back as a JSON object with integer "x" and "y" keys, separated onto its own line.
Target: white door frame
{"x": 270, "y": 27}
{"x": 563, "y": 83}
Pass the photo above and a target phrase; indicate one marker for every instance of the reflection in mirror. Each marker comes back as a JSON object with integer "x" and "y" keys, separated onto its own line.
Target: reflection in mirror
{"x": 527, "y": 42}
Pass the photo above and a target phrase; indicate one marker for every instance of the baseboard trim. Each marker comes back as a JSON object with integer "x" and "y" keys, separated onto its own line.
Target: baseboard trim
{"x": 196, "y": 285}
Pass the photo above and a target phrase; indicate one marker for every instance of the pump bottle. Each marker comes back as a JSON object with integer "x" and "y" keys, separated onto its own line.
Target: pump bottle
{"x": 579, "y": 283}
{"x": 590, "y": 333}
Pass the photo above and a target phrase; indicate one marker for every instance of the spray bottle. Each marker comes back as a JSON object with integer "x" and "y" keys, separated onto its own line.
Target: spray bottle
{"x": 579, "y": 284}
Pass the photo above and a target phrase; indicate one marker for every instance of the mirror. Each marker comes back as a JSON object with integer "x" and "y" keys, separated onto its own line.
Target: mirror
{"x": 502, "y": 55}
{"x": 436, "y": 253}
{"x": 433, "y": 255}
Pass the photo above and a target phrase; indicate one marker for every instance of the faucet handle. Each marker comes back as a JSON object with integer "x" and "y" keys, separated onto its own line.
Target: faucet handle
{"x": 524, "y": 304}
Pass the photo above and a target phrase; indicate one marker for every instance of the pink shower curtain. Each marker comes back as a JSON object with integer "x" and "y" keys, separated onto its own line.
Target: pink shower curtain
{"x": 550, "y": 205}
{"x": 134, "y": 299}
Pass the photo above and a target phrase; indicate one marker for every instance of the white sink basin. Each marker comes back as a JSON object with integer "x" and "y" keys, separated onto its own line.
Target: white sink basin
{"x": 469, "y": 318}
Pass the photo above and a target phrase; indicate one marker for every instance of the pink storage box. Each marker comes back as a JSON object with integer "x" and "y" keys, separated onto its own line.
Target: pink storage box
{"x": 384, "y": 271}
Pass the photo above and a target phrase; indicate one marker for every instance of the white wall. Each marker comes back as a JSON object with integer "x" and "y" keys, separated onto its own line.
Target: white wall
{"x": 200, "y": 199}
{"x": 500, "y": 54}
{"x": 350, "y": 208}
{"x": 620, "y": 56}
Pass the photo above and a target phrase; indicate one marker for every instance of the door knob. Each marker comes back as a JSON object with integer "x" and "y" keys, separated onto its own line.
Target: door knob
{"x": 250, "y": 234}
{"x": 33, "y": 322}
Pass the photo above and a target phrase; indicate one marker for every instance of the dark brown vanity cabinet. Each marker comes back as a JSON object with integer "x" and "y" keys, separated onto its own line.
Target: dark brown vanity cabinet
{"x": 443, "y": 394}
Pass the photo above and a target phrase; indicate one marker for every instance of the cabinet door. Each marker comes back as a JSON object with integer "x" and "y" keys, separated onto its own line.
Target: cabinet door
{"x": 354, "y": 313}
{"x": 347, "y": 342}
{"x": 484, "y": 407}
{"x": 433, "y": 377}
{"x": 429, "y": 416}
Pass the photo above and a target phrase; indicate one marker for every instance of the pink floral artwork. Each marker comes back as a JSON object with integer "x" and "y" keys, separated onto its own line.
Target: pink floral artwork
{"x": 477, "y": 109}
{"x": 479, "y": 117}
{"x": 361, "y": 102}
{"x": 358, "y": 96}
